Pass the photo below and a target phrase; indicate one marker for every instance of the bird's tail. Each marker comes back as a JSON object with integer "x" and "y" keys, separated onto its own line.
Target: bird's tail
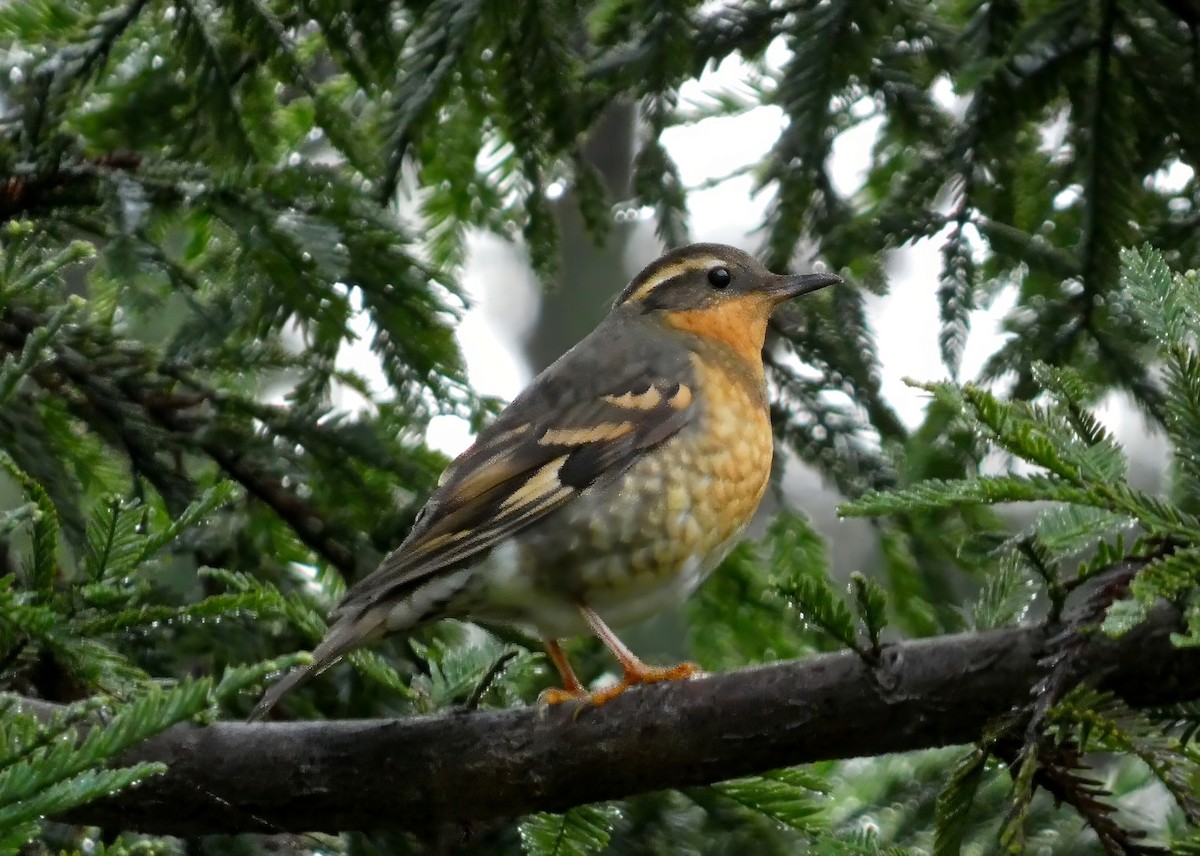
{"x": 348, "y": 633}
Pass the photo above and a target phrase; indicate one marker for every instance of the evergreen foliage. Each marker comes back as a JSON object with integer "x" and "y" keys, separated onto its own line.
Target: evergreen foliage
{"x": 578, "y": 832}
{"x": 1078, "y": 465}
{"x": 203, "y": 203}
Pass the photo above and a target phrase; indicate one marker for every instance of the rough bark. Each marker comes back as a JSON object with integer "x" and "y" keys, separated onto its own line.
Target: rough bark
{"x": 466, "y": 769}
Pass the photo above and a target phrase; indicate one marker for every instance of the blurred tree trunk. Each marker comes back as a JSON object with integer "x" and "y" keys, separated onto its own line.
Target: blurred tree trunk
{"x": 591, "y": 274}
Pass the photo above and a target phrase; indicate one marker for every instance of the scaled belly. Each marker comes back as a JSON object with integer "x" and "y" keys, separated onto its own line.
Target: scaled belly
{"x": 635, "y": 546}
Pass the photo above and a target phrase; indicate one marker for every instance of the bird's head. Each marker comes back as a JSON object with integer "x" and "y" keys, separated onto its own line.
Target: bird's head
{"x": 716, "y": 291}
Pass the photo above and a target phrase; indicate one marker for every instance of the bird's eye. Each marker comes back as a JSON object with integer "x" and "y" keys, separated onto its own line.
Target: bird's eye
{"x": 719, "y": 277}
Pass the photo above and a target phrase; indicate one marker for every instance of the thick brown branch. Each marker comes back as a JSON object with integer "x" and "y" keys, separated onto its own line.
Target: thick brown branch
{"x": 467, "y": 768}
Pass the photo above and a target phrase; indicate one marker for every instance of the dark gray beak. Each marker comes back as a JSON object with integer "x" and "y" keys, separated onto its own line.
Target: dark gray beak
{"x": 786, "y": 287}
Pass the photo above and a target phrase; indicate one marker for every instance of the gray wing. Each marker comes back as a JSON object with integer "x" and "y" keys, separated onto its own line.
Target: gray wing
{"x": 588, "y": 417}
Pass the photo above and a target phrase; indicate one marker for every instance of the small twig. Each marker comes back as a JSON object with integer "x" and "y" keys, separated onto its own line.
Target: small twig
{"x": 489, "y": 678}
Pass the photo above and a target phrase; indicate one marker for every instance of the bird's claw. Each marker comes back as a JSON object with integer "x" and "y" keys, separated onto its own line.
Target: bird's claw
{"x": 643, "y": 674}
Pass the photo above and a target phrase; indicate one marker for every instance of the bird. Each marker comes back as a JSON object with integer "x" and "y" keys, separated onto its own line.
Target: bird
{"x": 607, "y": 490}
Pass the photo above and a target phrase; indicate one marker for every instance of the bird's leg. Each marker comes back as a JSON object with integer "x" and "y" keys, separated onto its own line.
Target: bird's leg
{"x": 571, "y": 688}
{"x": 634, "y": 670}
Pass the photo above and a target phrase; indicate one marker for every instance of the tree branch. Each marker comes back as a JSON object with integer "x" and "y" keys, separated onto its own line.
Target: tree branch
{"x": 65, "y": 186}
{"x": 425, "y": 773}
{"x": 154, "y": 424}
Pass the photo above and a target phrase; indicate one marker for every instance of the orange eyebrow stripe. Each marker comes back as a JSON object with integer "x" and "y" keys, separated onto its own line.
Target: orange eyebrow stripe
{"x": 669, "y": 272}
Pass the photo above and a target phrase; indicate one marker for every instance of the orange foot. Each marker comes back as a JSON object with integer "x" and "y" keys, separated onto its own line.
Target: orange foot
{"x": 641, "y": 674}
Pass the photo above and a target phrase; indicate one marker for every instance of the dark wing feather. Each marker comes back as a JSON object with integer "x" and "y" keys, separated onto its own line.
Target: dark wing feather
{"x": 615, "y": 395}
{"x": 580, "y": 421}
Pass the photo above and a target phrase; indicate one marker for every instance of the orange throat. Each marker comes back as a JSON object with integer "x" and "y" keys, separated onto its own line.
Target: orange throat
{"x": 740, "y": 324}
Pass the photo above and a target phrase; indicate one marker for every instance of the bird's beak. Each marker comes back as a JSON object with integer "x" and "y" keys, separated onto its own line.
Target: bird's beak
{"x": 785, "y": 287}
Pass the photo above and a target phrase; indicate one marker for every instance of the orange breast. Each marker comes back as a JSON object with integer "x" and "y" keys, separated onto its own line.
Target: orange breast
{"x": 732, "y": 448}
{"x": 630, "y": 546}
{"x": 686, "y": 500}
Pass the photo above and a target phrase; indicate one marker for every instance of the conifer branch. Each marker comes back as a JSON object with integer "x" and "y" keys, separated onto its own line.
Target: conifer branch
{"x": 154, "y": 427}
{"x": 458, "y": 770}
{"x": 67, "y": 186}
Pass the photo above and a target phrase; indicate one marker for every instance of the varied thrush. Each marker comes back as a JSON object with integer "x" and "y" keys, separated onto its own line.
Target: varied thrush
{"x": 609, "y": 488}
